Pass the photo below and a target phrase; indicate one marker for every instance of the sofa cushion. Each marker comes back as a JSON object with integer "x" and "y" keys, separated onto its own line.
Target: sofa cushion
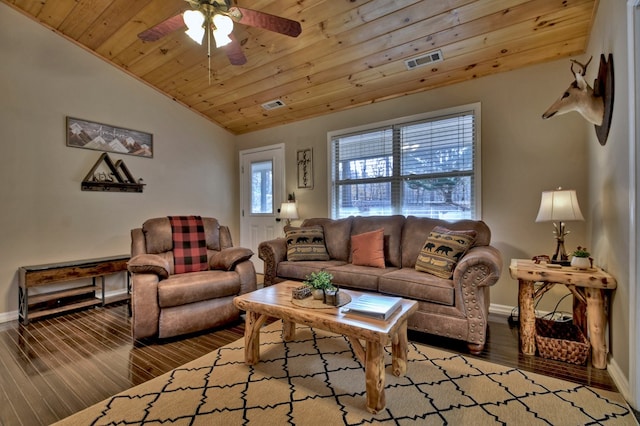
{"x": 368, "y": 249}
{"x": 392, "y": 226}
{"x": 306, "y": 243}
{"x": 442, "y": 250}
{"x": 357, "y": 277}
{"x": 337, "y": 235}
{"x": 415, "y": 285}
{"x": 300, "y": 270}
{"x": 149, "y": 264}
{"x": 196, "y": 286}
{"x": 228, "y": 258}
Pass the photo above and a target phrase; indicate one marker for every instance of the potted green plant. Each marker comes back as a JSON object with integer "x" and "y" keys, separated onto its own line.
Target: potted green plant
{"x": 319, "y": 281}
{"x": 581, "y": 258}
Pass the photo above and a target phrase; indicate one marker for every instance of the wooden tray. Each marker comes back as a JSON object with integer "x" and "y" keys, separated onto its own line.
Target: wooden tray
{"x": 311, "y": 303}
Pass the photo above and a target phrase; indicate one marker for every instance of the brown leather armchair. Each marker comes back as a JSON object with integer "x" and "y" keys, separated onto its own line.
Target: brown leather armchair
{"x": 165, "y": 304}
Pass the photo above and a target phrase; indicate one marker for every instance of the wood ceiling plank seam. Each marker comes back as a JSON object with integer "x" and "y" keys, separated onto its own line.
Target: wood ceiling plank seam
{"x": 30, "y": 7}
{"x": 82, "y": 17}
{"x": 53, "y": 13}
{"x": 166, "y": 51}
{"x": 532, "y": 23}
{"x": 109, "y": 22}
{"x": 360, "y": 50}
{"x": 463, "y": 72}
{"x": 148, "y": 16}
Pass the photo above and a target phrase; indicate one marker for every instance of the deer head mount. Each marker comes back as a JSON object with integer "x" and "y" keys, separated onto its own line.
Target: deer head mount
{"x": 594, "y": 104}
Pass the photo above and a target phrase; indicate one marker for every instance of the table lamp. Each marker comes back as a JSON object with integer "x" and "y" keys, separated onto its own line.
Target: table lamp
{"x": 559, "y": 206}
{"x": 288, "y": 211}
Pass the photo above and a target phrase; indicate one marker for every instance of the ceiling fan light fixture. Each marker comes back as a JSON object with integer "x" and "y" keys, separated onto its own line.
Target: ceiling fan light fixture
{"x": 194, "y": 21}
{"x": 223, "y": 27}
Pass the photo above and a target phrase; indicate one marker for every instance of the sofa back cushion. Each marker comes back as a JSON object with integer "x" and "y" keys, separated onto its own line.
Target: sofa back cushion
{"x": 337, "y": 235}
{"x": 392, "y": 226}
{"x": 416, "y": 231}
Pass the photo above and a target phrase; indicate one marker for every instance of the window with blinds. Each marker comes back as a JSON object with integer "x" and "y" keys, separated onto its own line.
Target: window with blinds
{"x": 423, "y": 166}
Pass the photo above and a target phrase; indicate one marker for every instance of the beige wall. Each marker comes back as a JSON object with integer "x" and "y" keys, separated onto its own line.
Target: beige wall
{"x": 45, "y": 217}
{"x": 522, "y": 155}
{"x": 609, "y": 207}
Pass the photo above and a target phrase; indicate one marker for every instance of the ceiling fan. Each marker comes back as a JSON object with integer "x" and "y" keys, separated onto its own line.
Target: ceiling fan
{"x": 216, "y": 18}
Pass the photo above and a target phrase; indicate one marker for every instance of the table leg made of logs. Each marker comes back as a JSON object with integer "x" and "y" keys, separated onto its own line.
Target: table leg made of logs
{"x": 590, "y": 289}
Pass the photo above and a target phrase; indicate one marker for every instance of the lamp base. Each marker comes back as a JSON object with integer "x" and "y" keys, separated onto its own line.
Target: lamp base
{"x": 561, "y": 262}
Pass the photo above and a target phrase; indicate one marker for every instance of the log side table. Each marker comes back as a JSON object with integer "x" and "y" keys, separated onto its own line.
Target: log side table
{"x": 590, "y": 289}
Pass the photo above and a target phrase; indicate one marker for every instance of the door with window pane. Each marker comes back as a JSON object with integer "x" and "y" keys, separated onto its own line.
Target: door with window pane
{"x": 262, "y": 180}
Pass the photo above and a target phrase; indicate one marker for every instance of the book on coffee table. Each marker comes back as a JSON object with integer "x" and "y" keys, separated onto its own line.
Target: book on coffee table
{"x": 373, "y": 306}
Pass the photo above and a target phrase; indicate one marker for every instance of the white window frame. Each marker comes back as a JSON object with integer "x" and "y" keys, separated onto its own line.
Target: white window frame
{"x": 474, "y": 107}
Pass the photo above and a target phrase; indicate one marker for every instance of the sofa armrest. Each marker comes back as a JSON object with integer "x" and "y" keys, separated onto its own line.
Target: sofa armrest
{"x": 481, "y": 265}
{"x": 247, "y": 273}
{"x": 149, "y": 264}
{"x": 272, "y": 252}
{"x": 476, "y": 272}
{"x": 145, "y": 311}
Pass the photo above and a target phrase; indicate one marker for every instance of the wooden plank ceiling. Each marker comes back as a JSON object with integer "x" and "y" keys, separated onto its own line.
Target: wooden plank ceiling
{"x": 350, "y": 52}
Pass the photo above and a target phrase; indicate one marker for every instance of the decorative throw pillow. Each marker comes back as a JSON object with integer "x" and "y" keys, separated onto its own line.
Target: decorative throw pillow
{"x": 149, "y": 264}
{"x": 306, "y": 243}
{"x": 227, "y": 259}
{"x": 442, "y": 251}
{"x": 367, "y": 249}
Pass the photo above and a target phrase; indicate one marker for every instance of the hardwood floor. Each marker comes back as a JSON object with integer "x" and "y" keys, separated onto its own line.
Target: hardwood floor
{"x": 54, "y": 367}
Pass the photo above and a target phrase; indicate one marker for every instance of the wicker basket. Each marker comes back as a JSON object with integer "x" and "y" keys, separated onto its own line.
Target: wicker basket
{"x": 562, "y": 341}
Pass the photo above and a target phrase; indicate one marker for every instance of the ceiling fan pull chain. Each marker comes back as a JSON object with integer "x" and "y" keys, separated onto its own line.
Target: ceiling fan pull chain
{"x": 209, "y": 51}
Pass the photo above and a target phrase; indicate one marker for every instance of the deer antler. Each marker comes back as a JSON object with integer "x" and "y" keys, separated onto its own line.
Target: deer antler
{"x": 584, "y": 67}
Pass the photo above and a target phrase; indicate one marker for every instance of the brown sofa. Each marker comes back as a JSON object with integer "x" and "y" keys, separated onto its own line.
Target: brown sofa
{"x": 456, "y": 307}
{"x": 165, "y": 304}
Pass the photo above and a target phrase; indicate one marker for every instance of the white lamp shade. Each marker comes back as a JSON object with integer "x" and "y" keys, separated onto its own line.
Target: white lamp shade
{"x": 288, "y": 211}
{"x": 559, "y": 205}
{"x": 194, "y": 20}
{"x": 224, "y": 26}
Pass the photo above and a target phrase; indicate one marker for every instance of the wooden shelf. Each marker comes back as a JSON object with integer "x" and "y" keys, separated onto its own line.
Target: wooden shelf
{"x": 66, "y": 308}
{"x": 58, "y": 301}
{"x": 62, "y": 294}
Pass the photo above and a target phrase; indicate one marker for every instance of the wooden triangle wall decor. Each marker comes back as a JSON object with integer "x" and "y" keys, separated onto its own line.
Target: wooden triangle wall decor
{"x": 117, "y": 177}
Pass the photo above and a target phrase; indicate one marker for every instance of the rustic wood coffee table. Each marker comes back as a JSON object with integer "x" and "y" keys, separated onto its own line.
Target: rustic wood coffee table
{"x": 275, "y": 301}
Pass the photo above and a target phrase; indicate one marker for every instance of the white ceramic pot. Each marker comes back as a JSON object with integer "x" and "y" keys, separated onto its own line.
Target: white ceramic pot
{"x": 580, "y": 262}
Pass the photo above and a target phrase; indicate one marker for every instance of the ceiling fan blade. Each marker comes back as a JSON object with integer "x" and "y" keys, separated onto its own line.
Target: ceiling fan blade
{"x": 162, "y": 29}
{"x": 234, "y": 52}
{"x": 266, "y": 21}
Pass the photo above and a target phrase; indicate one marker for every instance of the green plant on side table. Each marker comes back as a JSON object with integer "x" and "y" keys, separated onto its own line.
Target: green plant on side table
{"x": 319, "y": 282}
{"x": 581, "y": 258}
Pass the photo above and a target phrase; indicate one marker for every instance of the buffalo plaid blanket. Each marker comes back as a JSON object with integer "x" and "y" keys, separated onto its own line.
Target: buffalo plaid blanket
{"x": 189, "y": 244}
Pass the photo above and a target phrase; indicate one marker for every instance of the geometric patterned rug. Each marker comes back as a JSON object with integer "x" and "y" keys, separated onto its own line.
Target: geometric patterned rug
{"x": 317, "y": 380}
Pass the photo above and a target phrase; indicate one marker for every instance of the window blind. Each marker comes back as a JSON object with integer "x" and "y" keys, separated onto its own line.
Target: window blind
{"x": 425, "y": 167}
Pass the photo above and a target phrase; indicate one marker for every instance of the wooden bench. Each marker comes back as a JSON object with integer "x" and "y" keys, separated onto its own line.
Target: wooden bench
{"x": 58, "y": 301}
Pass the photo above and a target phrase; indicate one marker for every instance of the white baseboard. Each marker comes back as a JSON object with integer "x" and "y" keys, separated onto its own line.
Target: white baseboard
{"x": 8, "y": 316}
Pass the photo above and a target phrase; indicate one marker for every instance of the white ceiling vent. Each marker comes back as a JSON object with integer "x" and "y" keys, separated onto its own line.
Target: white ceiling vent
{"x": 422, "y": 60}
{"x": 276, "y": 103}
